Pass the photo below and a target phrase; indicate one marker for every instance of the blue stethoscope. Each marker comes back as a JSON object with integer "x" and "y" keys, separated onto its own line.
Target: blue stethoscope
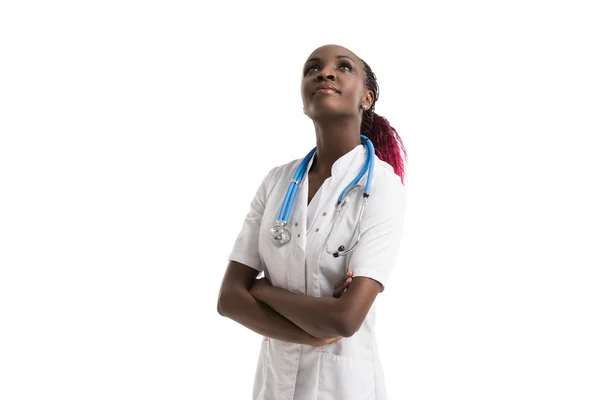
{"x": 280, "y": 234}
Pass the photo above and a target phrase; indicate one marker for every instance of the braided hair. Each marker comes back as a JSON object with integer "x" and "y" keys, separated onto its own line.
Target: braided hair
{"x": 386, "y": 141}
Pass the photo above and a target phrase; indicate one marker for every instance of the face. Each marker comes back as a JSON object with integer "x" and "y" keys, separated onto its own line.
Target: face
{"x": 333, "y": 84}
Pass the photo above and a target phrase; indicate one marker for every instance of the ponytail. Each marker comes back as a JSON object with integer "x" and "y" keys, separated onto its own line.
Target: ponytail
{"x": 386, "y": 141}
{"x": 388, "y": 144}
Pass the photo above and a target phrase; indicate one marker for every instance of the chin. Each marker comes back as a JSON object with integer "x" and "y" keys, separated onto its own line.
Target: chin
{"x": 328, "y": 113}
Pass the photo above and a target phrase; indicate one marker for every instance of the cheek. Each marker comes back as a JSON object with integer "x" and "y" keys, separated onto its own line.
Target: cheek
{"x": 354, "y": 90}
{"x": 306, "y": 97}
{"x": 354, "y": 98}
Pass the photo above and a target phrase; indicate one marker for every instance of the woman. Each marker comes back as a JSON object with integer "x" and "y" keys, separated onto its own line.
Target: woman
{"x": 315, "y": 310}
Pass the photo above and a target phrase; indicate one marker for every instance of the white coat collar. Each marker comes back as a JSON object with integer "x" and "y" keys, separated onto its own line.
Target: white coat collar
{"x": 342, "y": 165}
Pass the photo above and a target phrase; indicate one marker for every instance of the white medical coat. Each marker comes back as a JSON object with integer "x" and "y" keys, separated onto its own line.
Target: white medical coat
{"x": 349, "y": 369}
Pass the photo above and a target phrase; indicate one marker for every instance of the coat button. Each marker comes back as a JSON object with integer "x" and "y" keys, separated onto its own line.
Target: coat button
{"x": 324, "y": 214}
{"x": 317, "y": 230}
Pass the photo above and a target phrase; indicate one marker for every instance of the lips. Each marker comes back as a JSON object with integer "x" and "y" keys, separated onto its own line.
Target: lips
{"x": 326, "y": 89}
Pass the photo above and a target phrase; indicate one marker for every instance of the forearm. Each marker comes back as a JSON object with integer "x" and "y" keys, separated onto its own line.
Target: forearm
{"x": 241, "y": 307}
{"x": 322, "y": 317}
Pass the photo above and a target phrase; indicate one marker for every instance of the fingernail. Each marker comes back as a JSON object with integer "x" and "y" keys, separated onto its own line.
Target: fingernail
{"x": 348, "y": 280}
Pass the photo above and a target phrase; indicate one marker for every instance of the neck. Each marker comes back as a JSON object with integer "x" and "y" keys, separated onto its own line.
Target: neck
{"x": 335, "y": 138}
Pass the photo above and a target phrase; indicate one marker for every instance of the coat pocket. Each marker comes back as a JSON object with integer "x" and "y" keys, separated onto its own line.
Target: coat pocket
{"x": 345, "y": 378}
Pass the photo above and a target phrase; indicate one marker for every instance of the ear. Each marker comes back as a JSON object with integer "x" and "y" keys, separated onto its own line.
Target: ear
{"x": 367, "y": 99}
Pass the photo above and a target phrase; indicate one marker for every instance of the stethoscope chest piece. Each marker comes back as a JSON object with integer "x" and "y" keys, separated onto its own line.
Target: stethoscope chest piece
{"x": 280, "y": 235}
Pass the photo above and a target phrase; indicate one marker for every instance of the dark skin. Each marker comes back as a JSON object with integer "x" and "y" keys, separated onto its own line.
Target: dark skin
{"x": 274, "y": 312}
{"x": 336, "y": 115}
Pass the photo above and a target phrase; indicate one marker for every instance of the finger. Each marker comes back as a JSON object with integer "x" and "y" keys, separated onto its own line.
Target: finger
{"x": 323, "y": 342}
{"x": 337, "y": 292}
{"x": 343, "y": 279}
{"x": 340, "y": 282}
{"x": 336, "y": 339}
{"x": 320, "y": 342}
{"x": 333, "y": 340}
{"x": 340, "y": 288}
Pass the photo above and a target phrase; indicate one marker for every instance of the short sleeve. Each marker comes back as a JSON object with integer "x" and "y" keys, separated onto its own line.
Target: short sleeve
{"x": 245, "y": 248}
{"x": 382, "y": 229}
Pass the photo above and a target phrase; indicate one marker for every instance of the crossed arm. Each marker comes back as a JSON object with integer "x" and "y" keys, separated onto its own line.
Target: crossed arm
{"x": 292, "y": 317}
{"x": 322, "y": 317}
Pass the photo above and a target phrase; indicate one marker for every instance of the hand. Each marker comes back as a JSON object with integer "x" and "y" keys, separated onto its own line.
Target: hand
{"x": 342, "y": 285}
{"x": 316, "y": 342}
{"x": 258, "y": 286}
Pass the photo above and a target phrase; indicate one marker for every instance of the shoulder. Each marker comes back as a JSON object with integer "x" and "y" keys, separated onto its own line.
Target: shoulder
{"x": 280, "y": 174}
{"x": 286, "y": 169}
{"x": 388, "y": 193}
{"x": 386, "y": 181}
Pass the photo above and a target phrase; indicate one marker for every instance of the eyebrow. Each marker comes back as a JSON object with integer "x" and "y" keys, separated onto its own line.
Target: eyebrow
{"x": 318, "y": 59}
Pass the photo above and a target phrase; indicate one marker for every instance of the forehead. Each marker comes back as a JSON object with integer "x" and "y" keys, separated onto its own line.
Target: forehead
{"x": 332, "y": 50}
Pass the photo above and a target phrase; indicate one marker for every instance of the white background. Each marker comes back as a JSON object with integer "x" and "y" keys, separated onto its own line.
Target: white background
{"x": 134, "y": 135}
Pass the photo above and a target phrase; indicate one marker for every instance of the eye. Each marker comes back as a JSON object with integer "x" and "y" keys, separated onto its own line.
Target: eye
{"x": 308, "y": 69}
{"x": 346, "y": 66}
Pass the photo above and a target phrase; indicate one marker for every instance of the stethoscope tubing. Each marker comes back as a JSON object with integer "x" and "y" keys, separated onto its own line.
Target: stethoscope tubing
{"x": 280, "y": 233}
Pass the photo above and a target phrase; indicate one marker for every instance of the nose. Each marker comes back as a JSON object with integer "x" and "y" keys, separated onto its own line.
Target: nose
{"x": 326, "y": 73}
